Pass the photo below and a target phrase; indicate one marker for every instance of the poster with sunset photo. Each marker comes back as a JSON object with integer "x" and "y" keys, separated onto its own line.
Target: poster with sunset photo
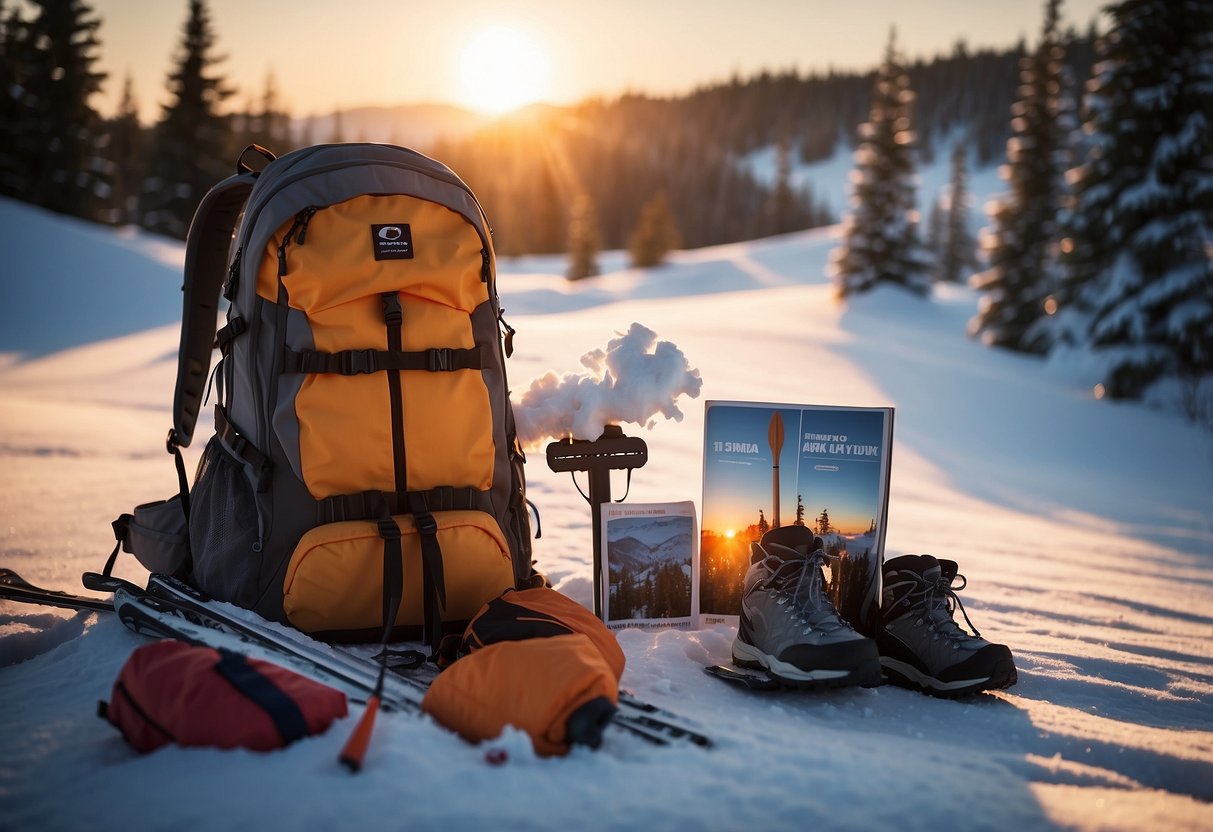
{"x": 770, "y": 465}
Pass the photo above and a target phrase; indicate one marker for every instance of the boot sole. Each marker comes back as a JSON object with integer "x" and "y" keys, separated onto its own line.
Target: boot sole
{"x": 789, "y": 676}
{"x": 1004, "y": 675}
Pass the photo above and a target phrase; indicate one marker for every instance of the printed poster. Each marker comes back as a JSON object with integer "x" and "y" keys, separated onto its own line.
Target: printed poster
{"x": 770, "y": 465}
{"x": 649, "y": 562}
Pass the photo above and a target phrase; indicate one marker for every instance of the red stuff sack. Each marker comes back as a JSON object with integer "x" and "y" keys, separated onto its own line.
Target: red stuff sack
{"x": 171, "y": 692}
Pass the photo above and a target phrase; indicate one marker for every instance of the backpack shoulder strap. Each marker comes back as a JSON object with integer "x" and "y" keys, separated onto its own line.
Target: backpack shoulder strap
{"x": 206, "y": 253}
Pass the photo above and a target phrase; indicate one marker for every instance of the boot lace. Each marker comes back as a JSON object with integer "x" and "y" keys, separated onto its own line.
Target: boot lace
{"x": 941, "y": 602}
{"x": 798, "y": 586}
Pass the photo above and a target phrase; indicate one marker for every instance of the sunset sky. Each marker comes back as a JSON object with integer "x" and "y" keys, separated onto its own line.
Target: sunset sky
{"x": 492, "y": 55}
{"x": 739, "y": 479}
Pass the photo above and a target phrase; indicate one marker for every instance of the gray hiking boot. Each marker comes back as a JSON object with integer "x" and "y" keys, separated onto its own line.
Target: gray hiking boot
{"x": 788, "y": 625}
{"x": 921, "y": 645}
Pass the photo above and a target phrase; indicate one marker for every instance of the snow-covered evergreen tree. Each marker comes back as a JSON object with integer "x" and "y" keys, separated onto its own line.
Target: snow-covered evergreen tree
{"x": 1139, "y": 253}
{"x": 190, "y": 147}
{"x": 1021, "y": 241}
{"x": 957, "y": 249}
{"x": 51, "y": 133}
{"x": 881, "y": 241}
{"x": 935, "y": 220}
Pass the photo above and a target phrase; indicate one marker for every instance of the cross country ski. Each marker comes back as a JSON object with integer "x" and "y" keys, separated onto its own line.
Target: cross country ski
{"x": 169, "y": 608}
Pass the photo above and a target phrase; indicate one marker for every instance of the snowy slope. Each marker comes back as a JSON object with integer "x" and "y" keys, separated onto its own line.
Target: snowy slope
{"x": 1085, "y": 529}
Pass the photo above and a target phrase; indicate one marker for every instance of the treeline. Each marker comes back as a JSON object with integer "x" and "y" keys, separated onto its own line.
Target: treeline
{"x": 1100, "y": 242}
{"x": 555, "y": 180}
{"x": 970, "y": 92}
{"x": 58, "y": 152}
{"x": 664, "y": 592}
{"x": 532, "y": 170}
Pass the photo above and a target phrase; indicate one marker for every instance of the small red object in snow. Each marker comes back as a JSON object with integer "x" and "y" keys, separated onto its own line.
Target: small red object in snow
{"x": 496, "y": 756}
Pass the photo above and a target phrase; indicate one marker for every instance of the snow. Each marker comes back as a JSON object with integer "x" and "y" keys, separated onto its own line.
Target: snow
{"x": 579, "y": 404}
{"x": 1085, "y": 529}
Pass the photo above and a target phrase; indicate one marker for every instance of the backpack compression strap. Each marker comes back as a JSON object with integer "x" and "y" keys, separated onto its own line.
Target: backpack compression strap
{"x": 206, "y": 252}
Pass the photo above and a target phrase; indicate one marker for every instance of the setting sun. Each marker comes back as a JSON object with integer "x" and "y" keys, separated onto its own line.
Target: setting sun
{"x": 502, "y": 68}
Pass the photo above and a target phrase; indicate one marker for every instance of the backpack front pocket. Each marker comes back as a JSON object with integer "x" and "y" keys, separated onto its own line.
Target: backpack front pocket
{"x": 334, "y": 582}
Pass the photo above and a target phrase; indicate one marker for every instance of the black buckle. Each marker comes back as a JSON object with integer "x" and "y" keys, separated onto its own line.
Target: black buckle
{"x": 388, "y": 529}
{"x": 357, "y": 362}
{"x": 393, "y": 314}
{"x": 439, "y": 360}
{"x": 122, "y": 526}
{"x": 425, "y": 523}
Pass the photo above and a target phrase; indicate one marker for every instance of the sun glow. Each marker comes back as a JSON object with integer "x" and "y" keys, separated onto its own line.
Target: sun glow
{"x": 730, "y": 534}
{"x": 502, "y": 68}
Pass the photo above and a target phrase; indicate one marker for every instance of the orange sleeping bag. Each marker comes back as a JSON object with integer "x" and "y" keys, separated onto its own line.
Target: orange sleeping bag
{"x": 536, "y": 660}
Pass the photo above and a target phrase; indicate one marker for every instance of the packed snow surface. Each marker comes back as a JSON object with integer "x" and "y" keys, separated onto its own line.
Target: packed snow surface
{"x": 1085, "y": 529}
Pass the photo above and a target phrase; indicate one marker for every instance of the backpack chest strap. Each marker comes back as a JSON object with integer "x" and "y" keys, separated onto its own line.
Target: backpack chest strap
{"x": 370, "y": 505}
{"x": 357, "y": 362}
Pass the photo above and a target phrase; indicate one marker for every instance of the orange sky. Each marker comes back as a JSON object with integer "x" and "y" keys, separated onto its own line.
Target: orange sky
{"x": 328, "y": 55}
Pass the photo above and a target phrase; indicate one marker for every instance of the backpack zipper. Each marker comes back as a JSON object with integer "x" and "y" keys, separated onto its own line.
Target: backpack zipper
{"x": 233, "y": 276}
{"x": 254, "y": 212}
{"x": 296, "y": 233}
{"x": 298, "y": 230}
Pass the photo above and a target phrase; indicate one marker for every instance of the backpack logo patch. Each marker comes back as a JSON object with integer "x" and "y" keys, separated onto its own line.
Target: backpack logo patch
{"x": 392, "y": 241}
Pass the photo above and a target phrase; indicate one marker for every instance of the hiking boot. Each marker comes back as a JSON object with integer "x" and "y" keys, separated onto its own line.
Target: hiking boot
{"x": 921, "y": 645}
{"x": 788, "y": 625}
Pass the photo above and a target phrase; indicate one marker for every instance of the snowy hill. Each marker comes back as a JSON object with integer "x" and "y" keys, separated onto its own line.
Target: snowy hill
{"x": 1085, "y": 530}
{"x": 638, "y": 556}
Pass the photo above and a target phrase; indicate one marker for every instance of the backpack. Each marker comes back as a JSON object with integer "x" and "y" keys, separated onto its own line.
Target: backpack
{"x": 364, "y": 448}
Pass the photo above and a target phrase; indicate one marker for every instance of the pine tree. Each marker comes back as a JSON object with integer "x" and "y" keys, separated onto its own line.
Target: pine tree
{"x": 1138, "y": 258}
{"x": 13, "y": 104}
{"x": 656, "y": 234}
{"x": 799, "y": 511}
{"x": 934, "y": 242}
{"x": 51, "y": 136}
{"x": 190, "y": 146}
{"x": 783, "y": 212}
{"x": 1022, "y": 239}
{"x": 584, "y": 239}
{"x": 337, "y": 134}
{"x": 881, "y": 242}
{"x": 763, "y": 525}
{"x": 307, "y": 129}
{"x": 271, "y": 127}
{"x": 124, "y": 150}
{"x": 547, "y": 224}
{"x": 823, "y": 522}
{"x": 958, "y": 249}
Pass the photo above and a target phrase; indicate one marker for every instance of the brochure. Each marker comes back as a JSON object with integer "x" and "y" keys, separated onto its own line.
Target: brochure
{"x": 649, "y": 561}
{"x": 824, "y": 467}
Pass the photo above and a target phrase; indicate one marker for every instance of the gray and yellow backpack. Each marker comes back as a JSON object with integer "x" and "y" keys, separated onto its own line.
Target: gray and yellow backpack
{"x": 364, "y": 450}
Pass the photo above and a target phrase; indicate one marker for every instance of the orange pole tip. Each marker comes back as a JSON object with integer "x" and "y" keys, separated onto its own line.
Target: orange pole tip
{"x": 354, "y": 751}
